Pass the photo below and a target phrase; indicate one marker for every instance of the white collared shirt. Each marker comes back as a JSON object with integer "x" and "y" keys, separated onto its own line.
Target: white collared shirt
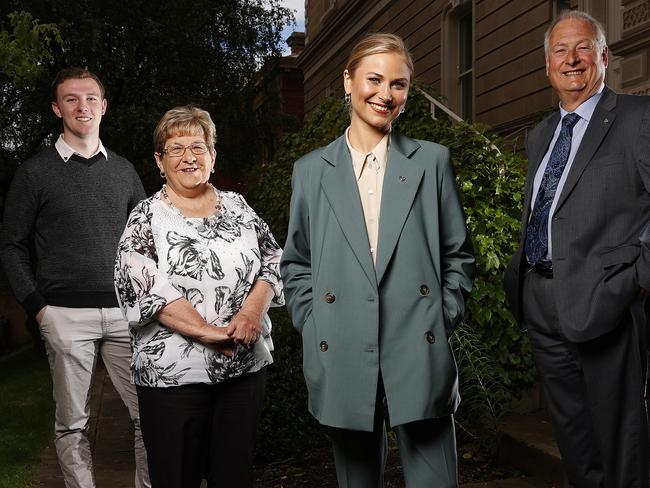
{"x": 369, "y": 170}
{"x": 65, "y": 151}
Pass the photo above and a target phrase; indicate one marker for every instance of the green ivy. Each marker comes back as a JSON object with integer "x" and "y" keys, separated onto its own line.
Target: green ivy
{"x": 493, "y": 355}
{"x": 271, "y": 192}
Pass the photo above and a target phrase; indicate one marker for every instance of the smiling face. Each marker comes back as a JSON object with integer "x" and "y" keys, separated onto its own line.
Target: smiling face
{"x": 378, "y": 89}
{"x": 575, "y": 62}
{"x": 79, "y": 103}
{"x": 189, "y": 171}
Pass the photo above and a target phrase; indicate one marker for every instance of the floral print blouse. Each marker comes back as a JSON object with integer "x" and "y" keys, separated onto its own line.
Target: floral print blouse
{"x": 213, "y": 263}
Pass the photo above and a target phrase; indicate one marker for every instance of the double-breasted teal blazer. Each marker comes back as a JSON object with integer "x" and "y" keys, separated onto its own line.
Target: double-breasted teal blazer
{"x": 357, "y": 319}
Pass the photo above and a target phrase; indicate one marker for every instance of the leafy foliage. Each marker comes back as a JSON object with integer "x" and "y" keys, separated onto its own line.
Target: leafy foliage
{"x": 491, "y": 184}
{"x": 23, "y": 51}
{"x": 493, "y": 355}
{"x": 26, "y": 48}
{"x": 485, "y": 398}
{"x": 271, "y": 188}
{"x": 286, "y": 427}
{"x": 151, "y": 56}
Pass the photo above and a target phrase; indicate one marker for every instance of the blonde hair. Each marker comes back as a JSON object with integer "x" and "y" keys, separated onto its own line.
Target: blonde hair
{"x": 187, "y": 120}
{"x": 378, "y": 43}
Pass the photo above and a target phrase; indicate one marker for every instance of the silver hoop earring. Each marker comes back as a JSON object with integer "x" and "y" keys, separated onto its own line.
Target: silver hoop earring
{"x": 163, "y": 175}
{"x": 402, "y": 110}
{"x": 212, "y": 170}
{"x": 348, "y": 99}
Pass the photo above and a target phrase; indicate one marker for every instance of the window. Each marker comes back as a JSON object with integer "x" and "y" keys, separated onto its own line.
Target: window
{"x": 561, "y": 5}
{"x": 465, "y": 64}
{"x": 458, "y": 58}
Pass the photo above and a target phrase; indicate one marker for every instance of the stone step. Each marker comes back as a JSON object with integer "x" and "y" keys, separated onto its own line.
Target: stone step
{"x": 528, "y": 444}
{"x": 526, "y": 482}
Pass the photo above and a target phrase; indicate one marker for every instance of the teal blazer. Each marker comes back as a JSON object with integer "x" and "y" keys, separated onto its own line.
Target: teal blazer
{"x": 358, "y": 320}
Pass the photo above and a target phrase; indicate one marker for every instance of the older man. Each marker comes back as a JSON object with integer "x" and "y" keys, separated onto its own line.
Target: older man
{"x": 578, "y": 281}
{"x": 64, "y": 214}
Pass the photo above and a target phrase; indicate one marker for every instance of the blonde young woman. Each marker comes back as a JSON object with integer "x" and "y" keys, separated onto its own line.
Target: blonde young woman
{"x": 196, "y": 272}
{"x": 377, "y": 267}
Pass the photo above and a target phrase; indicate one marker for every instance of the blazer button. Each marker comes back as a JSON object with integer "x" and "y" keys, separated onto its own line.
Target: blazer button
{"x": 428, "y": 335}
{"x": 330, "y": 298}
{"x": 424, "y": 290}
{"x": 324, "y": 346}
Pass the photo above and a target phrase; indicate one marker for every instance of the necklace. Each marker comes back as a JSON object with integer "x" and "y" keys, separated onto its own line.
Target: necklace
{"x": 217, "y": 205}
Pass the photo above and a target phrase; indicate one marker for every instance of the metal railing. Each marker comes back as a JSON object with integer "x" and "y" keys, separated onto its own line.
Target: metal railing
{"x": 433, "y": 104}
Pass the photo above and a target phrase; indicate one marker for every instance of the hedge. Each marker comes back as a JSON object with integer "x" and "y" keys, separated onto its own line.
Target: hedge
{"x": 493, "y": 355}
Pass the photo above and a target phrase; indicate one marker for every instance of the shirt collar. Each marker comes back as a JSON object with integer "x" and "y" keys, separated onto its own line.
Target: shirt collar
{"x": 586, "y": 109}
{"x": 380, "y": 152}
{"x": 65, "y": 151}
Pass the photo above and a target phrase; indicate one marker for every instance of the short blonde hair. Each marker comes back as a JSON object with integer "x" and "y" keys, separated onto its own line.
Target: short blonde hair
{"x": 187, "y": 120}
{"x": 378, "y": 43}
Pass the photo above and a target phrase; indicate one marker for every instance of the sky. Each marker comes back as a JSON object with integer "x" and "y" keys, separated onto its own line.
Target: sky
{"x": 298, "y": 7}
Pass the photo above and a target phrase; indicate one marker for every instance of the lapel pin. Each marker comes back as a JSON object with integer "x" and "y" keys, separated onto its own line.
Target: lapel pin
{"x": 606, "y": 121}
{"x": 402, "y": 179}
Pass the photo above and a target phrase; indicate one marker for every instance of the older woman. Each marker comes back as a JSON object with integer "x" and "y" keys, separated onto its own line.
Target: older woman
{"x": 195, "y": 274}
{"x": 377, "y": 267}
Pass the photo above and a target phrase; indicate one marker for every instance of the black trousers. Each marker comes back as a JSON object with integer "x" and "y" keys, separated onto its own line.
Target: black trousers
{"x": 201, "y": 431}
{"x": 595, "y": 392}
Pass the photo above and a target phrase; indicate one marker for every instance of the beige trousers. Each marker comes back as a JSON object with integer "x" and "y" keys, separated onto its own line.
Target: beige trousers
{"x": 73, "y": 338}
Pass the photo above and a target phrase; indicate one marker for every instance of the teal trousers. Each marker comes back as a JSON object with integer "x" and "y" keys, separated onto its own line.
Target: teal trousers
{"x": 427, "y": 450}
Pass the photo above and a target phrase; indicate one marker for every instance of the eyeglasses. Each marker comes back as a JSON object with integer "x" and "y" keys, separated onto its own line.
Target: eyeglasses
{"x": 177, "y": 150}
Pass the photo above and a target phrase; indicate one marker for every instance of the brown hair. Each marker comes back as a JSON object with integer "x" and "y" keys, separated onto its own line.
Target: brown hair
{"x": 378, "y": 43}
{"x": 73, "y": 73}
{"x": 187, "y": 120}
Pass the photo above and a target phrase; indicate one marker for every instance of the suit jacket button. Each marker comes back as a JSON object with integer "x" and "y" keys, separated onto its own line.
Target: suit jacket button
{"x": 329, "y": 297}
{"x": 430, "y": 337}
{"x": 424, "y": 290}
{"x": 324, "y": 346}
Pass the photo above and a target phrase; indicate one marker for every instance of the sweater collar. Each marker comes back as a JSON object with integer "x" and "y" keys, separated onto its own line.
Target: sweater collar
{"x": 66, "y": 152}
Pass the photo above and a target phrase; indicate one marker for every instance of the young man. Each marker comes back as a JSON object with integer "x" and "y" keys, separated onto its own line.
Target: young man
{"x": 64, "y": 214}
{"x": 578, "y": 282}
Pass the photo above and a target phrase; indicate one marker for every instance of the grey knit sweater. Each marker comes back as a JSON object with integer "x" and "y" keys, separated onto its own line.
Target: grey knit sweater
{"x": 62, "y": 223}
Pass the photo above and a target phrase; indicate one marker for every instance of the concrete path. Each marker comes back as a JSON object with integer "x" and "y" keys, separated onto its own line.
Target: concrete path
{"x": 111, "y": 435}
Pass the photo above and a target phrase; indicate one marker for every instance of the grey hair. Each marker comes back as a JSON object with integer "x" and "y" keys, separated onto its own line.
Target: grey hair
{"x": 601, "y": 41}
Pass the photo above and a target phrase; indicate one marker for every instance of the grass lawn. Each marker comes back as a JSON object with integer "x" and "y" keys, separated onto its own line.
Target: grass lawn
{"x": 26, "y": 416}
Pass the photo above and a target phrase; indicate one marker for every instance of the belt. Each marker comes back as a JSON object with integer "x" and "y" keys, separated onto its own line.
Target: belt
{"x": 543, "y": 268}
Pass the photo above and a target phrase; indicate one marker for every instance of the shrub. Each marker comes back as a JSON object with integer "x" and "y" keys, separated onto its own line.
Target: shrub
{"x": 286, "y": 427}
{"x": 493, "y": 355}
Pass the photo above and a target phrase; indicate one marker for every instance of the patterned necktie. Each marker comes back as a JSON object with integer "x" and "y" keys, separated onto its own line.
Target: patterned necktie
{"x": 536, "y": 245}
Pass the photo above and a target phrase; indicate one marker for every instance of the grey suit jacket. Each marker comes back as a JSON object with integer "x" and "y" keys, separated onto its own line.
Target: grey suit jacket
{"x": 357, "y": 320}
{"x": 599, "y": 259}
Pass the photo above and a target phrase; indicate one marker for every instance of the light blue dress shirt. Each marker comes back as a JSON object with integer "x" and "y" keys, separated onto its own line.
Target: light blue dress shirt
{"x": 585, "y": 111}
